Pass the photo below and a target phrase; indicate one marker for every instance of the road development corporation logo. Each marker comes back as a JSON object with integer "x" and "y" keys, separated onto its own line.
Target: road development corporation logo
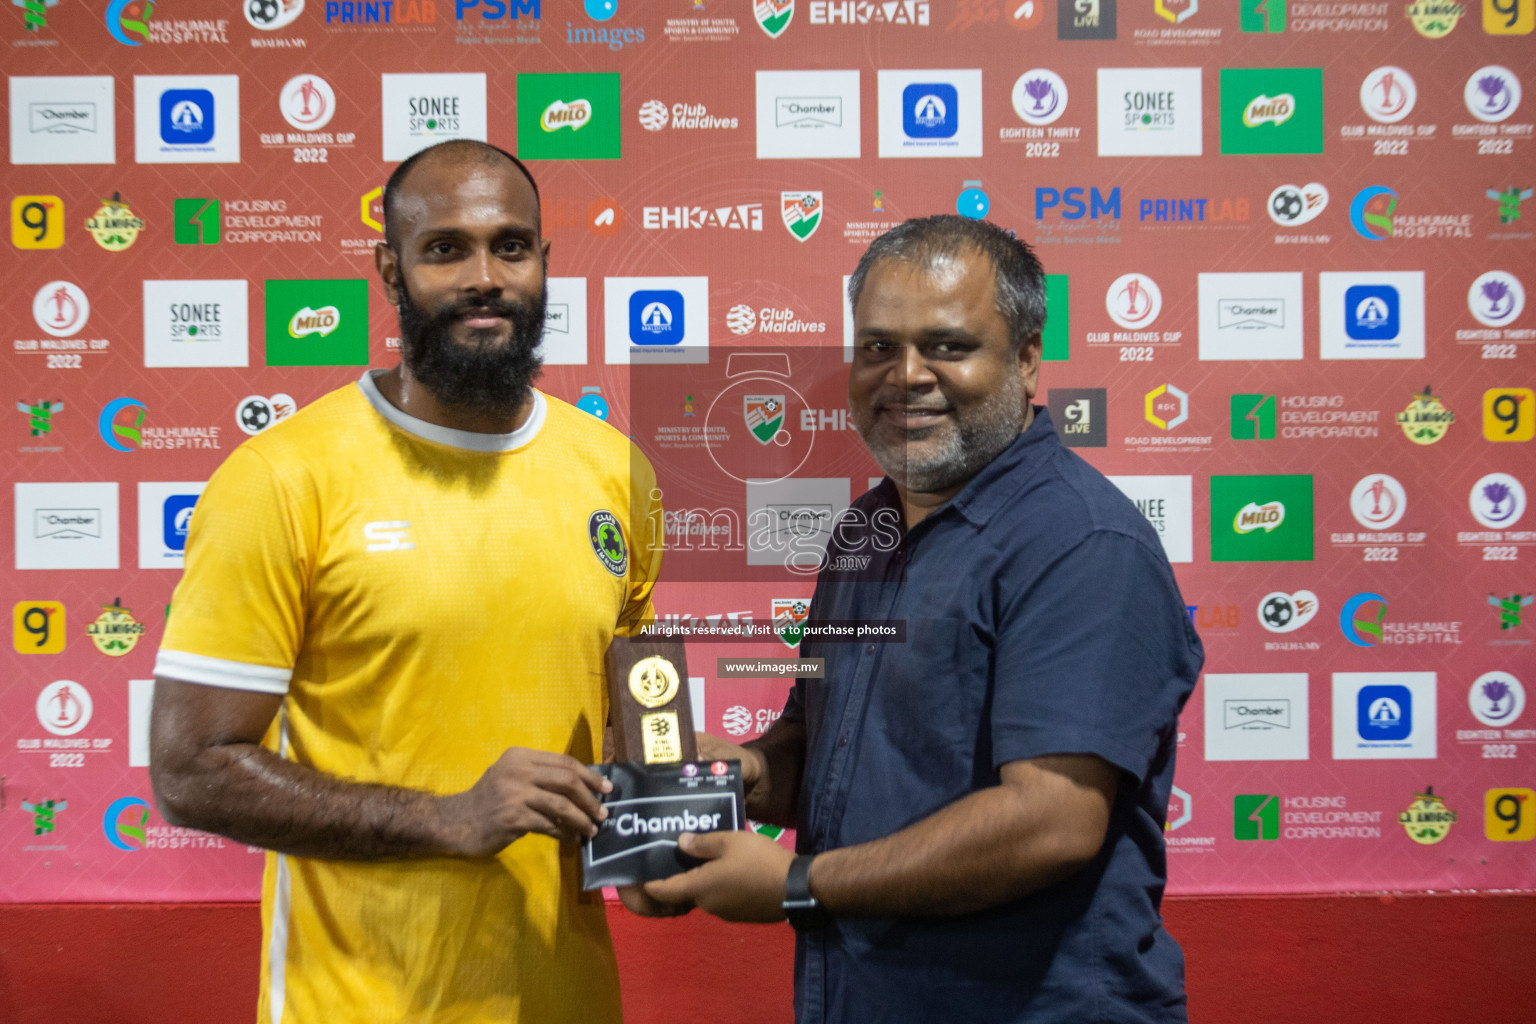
{"x": 1167, "y": 407}
{"x": 1496, "y": 699}
{"x": 1496, "y": 298}
{"x": 61, "y": 308}
{"x": 271, "y": 15}
{"x": 1271, "y": 110}
{"x": 773, "y": 16}
{"x": 1378, "y": 501}
{"x": 1497, "y": 501}
{"x": 1039, "y": 97}
{"x": 64, "y": 707}
{"x": 1280, "y": 612}
{"x": 1427, "y": 820}
{"x": 1492, "y": 94}
{"x": 124, "y": 823}
{"x": 568, "y": 116}
{"x": 789, "y": 618}
{"x": 1388, "y": 94}
{"x": 607, "y": 540}
{"x": 802, "y": 213}
{"x": 1294, "y": 205}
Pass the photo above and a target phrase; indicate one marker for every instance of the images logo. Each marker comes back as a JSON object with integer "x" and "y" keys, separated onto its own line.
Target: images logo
{"x": 802, "y": 213}
{"x": 789, "y": 618}
{"x": 1133, "y": 301}
{"x": 1271, "y": 110}
{"x": 1256, "y": 816}
{"x": 124, "y": 823}
{"x": 1080, "y": 416}
{"x": 1427, "y": 820}
{"x": 198, "y": 221}
{"x": 41, "y": 415}
{"x": 1378, "y": 502}
{"x": 1280, "y": 612}
{"x": 1496, "y": 698}
{"x": 122, "y": 437}
{"x": 1167, "y": 407}
{"x": 1261, "y": 518}
{"x": 1261, "y": 16}
{"x": 38, "y": 627}
{"x": 1294, "y": 205}
{"x": 1512, "y": 810}
{"x": 1388, "y": 94}
{"x": 1357, "y": 631}
{"x": 773, "y": 16}
{"x": 115, "y": 631}
{"x": 1496, "y": 298}
{"x": 1039, "y": 97}
{"x": 1253, "y": 417}
{"x": 568, "y": 116}
{"x": 1509, "y": 414}
{"x": 128, "y": 21}
{"x": 308, "y": 102}
{"x": 61, "y": 308}
{"x": 656, "y": 317}
{"x": 1426, "y": 420}
{"x": 317, "y": 323}
{"x": 37, "y": 222}
{"x": 1497, "y": 501}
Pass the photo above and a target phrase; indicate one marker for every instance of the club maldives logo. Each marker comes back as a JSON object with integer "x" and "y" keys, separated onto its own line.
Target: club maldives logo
{"x": 802, "y": 213}
{"x": 1496, "y": 298}
{"x": 1427, "y": 820}
{"x": 1492, "y": 93}
{"x": 128, "y": 21}
{"x": 773, "y": 16}
{"x": 789, "y": 618}
{"x": 1426, "y": 420}
{"x": 1371, "y": 212}
{"x": 122, "y": 437}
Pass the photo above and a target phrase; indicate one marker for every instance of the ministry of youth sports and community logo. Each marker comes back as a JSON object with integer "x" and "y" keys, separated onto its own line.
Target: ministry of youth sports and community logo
{"x": 607, "y": 541}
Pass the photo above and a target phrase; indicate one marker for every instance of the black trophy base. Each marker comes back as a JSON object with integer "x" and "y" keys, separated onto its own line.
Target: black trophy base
{"x": 650, "y": 806}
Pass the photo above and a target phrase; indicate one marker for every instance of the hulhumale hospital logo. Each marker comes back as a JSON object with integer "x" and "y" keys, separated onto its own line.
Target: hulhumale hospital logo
{"x": 1371, "y": 212}
{"x": 128, "y": 21}
{"x": 127, "y": 436}
{"x": 124, "y": 823}
{"x": 1364, "y": 631}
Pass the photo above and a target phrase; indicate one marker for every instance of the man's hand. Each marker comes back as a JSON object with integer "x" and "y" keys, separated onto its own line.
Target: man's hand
{"x": 713, "y": 748}
{"x": 636, "y": 901}
{"x": 742, "y": 881}
{"x": 524, "y": 791}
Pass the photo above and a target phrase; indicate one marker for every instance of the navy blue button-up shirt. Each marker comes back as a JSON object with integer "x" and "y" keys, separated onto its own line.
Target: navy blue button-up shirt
{"x": 1042, "y": 618}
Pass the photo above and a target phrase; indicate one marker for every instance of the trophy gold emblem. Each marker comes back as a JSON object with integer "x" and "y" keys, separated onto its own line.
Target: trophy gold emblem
{"x": 648, "y": 696}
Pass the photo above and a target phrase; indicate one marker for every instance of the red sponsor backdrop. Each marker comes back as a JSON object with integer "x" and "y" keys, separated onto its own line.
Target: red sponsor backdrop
{"x": 1274, "y": 231}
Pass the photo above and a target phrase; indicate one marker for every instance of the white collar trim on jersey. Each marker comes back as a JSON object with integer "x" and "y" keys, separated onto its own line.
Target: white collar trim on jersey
{"x": 466, "y": 439}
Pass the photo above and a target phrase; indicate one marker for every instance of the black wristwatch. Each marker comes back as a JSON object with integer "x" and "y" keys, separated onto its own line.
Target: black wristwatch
{"x": 804, "y": 911}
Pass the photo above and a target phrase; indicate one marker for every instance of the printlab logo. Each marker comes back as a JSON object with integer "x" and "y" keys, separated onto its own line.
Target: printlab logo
{"x": 1085, "y": 19}
{"x": 1496, "y": 298}
{"x": 1280, "y": 612}
{"x": 61, "y": 308}
{"x": 1388, "y": 94}
{"x": 1497, "y": 501}
{"x": 125, "y": 823}
{"x": 568, "y": 116}
{"x": 1294, "y": 205}
{"x": 1496, "y": 699}
{"x": 1256, "y": 816}
{"x": 1361, "y": 617}
{"x": 1080, "y": 416}
{"x": 1378, "y": 501}
{"x": 1492, "y": 94}
{"x": 1253, "y": 417}
{"x": 1509, "y": 414}
{"x": 308, "y": 102}
{"x": 1133, "y": 301}
{"x": 1261, "y": 518}
{"x": 1271, "y": 110}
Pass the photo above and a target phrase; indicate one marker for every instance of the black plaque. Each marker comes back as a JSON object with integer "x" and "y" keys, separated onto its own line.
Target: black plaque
{"x": 650, "y": 806}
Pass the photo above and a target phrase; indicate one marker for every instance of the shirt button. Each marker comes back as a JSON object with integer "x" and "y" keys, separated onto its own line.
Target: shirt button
{"x": 869, "y": 648}
{"x": 842, "y": 740}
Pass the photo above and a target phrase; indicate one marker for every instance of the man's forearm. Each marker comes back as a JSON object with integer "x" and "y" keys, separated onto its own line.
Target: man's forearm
{"x": 981, "y": 851}
{"x": 251, "y": 795}
{"x": 775, "y": 794}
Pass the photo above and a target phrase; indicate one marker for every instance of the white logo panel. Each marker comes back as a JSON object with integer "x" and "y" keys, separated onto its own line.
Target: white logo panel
{"x": 789, "y": 521}
{"x": 165, "y": 515}
{"x": 930, "y": 113}
{"x": 1256, "y": 716}
{"x": 423, "y": 110}
{"x": 1168, "y": 504}
{"x": 196, "y": 323}
{"x": 1371, "y": 314}
{"x": 807, "y": 115}
{"x": 64, "y": 119}
{"x": 1250, "y": 316}
{"x": 66, "y": 526}
{"x": 1384, "y": 716}
{"x": 671, "y": 320}
{"x": 186, "y": 119}
{"x": 565, "y": 322}
{"x": 1149, "y": 112}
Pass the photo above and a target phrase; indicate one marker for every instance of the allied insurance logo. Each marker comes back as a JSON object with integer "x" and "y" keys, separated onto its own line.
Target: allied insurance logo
{"x": 568, "y": 116}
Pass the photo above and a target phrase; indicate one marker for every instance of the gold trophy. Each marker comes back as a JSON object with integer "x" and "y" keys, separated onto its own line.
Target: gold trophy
{"x": 648, "y": 700}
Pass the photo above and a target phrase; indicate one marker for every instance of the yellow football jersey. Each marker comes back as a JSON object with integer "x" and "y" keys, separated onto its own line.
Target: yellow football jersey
{"x": 425, "y": 598}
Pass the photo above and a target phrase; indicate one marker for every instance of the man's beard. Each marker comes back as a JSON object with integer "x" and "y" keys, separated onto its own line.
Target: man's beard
{"x": 966, "y": 445}
{"x": 479, "y": 376}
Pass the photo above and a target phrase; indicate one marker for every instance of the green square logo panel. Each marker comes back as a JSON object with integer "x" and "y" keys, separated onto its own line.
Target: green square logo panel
{"x": 317, "y": 323}
{"x": 1054, "y": 339}
{"x": 1271, "y": 110}
{"x": 1253, "y": 417}
{"x": 568, "y": 117}
{"x": 1261, "y": 518}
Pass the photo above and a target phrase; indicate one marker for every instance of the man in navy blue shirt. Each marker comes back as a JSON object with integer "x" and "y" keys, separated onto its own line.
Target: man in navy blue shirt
{"x": 980, "y": 808}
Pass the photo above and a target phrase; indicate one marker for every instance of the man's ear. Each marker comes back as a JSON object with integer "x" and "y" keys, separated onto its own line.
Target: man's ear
{"x": 387, "y": 263}
{"x": 1030, "y": 353}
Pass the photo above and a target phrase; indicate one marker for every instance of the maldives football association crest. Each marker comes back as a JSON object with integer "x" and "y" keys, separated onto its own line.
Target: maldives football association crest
{"x": 764, "y": 415}
{"x": 774, "y": 16}
{"x": 802, "y": 213}
{"x": 789, "y": 616}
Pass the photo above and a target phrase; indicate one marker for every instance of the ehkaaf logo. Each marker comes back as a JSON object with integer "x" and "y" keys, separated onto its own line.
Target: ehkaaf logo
{"x": 742, "y": 217}
{"x": 865, "y": 12}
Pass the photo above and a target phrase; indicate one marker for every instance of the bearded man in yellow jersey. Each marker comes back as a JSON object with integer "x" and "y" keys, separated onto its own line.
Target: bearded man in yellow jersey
{"x": 385, "y": 661}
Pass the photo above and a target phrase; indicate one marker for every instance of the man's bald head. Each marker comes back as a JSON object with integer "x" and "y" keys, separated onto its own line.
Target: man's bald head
{"x": 463, "y": 153}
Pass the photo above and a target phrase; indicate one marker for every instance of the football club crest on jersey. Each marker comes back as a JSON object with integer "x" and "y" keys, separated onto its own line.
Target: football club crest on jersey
{"x": 764, "y": 415}
{"x": 774, "y": 16}
{"x": 607, "y": 541}
{"x": 789, "y": 617}
{"x": 802, "y": 213}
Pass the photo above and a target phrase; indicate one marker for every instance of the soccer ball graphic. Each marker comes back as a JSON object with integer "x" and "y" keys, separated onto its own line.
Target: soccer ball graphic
{"x": 1278, "y": 612}
{"x": 1287, "y": 205}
